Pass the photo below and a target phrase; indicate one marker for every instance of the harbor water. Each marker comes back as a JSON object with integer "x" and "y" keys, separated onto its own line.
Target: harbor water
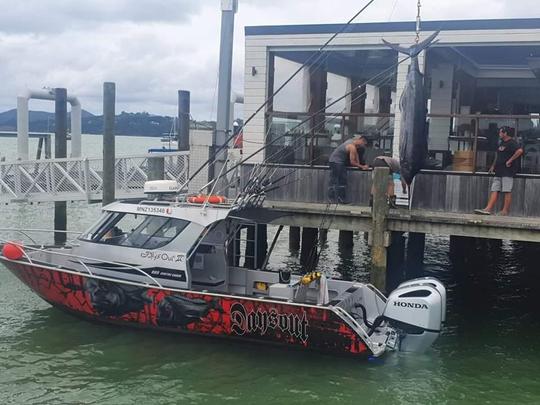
{"x": 489, "y": 352}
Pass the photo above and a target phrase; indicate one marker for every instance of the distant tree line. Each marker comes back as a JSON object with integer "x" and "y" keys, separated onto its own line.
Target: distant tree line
{"x": 141, "y": 124}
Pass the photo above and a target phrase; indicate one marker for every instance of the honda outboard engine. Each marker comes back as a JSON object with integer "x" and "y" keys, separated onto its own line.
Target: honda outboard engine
{"x": 417, "y": 310}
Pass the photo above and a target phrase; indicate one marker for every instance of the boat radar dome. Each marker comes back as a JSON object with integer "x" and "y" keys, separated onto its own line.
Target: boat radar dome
{"x": 161, "y": 187}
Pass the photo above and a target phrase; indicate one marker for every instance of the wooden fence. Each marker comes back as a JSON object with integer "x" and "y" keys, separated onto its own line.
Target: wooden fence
{"x": 444, "y": 191}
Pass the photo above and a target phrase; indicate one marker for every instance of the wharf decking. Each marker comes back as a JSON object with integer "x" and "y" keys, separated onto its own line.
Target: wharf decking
{"x": 442, "y": 204}
{"x": 358, "y": 218}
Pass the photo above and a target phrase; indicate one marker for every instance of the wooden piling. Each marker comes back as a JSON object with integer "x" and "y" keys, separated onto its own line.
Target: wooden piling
{"x": 294, "y": 238}
{"x": 309, "y": 248}
{"x": 416, "y": 244}
{"x": 379, "y": 236}
{"x": 396, "y": 260}
{"x": 183, "y": 119}
{"x": 346, "y": 239}
{"x": 60, "y": 151}
{"x": 109, "y": 99}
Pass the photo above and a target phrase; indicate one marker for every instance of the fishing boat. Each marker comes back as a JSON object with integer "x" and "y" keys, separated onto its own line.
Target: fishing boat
{"x": 170, "y": 263}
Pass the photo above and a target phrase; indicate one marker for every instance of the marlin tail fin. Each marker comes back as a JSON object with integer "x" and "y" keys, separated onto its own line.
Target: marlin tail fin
{"x": 414, "y": 50}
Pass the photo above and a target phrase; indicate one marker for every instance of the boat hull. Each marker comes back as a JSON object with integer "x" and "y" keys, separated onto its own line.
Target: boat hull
{"x": 266, "y": 321}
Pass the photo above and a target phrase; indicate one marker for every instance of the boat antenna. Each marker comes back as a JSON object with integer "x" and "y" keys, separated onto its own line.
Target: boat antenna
{"x": 317, "y": 55}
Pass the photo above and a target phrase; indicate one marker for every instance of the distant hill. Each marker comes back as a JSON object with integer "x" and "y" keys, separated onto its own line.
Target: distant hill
{"x": 142, "y": 124}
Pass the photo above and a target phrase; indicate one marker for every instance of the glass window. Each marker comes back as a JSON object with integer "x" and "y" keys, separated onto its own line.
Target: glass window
{"x": 135, "y": 230}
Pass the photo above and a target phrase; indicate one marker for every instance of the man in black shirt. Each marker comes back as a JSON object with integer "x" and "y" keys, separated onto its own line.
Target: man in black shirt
{"x": 505, "y": 168}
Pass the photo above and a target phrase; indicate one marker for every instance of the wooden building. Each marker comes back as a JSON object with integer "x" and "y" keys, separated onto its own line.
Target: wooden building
{"x": 482, "y": 74}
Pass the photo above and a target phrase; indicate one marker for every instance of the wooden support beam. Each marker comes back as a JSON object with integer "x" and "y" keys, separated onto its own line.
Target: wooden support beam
{"x": 396, "y": 259}
{"x": 346, "y": 239}
{"x": 309, "y": 250}
{"x": 415, "y": 255}
{"x": 294, "y": 238}
{"x": 378, "y": 238}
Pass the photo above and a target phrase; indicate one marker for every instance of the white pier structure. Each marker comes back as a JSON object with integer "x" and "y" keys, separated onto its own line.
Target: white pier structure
{"x": 81, "y": 179}
{"x": 23, "y": 121}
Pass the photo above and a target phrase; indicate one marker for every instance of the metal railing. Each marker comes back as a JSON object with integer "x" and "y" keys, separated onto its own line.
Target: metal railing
{"x": 311, "y": 142}
{"x": 81, "y": 179}
{"x": 28, "y": 250}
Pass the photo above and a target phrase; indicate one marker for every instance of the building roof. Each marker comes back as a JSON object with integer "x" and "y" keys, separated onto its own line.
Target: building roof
{"x": 405, "y": 26}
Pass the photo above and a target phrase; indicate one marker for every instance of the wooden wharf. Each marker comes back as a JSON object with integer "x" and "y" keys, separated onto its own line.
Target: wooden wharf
{"x": 359, "y": 219}
{"x": 442, "y": 204}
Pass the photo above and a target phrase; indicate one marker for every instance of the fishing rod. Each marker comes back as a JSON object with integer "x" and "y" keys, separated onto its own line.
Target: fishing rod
{"x": 321, "y": 124}
{"x": 318, "y": 54}
{"x": 312, "y": 115}
{"x": 257, "y": 176}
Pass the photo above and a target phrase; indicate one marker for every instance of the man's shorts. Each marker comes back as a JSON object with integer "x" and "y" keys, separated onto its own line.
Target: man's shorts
{"x": 504, "y": 184}
{"x": 380, "y": 163}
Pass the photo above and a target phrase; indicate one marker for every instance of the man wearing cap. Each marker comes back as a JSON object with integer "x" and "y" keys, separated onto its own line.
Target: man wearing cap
{"x": 349, "y": 153}
{"x": 505, "y": 168}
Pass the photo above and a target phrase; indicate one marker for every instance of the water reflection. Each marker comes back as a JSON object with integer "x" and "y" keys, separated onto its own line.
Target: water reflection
{"x": 488, "y": 352}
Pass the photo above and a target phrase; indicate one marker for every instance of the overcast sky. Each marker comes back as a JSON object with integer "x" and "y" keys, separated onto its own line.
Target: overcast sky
{"x": 151, "y": 48}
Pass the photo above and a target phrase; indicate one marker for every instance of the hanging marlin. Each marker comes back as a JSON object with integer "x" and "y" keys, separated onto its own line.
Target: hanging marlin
{"x": 413, "y": 145}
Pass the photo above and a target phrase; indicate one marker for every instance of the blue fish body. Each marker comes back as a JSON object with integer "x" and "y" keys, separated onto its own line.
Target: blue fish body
{"x": 413, "y": 140}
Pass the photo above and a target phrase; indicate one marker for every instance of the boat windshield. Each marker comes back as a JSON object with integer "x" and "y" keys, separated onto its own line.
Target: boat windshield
{"x": 135, "y": 230}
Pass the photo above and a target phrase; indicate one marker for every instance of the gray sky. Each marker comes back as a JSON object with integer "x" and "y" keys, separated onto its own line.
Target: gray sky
{"x": 151, "y": 48}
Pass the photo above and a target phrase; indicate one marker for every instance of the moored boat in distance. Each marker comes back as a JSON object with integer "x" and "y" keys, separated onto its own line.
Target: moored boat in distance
{"x": 173, "y": 264}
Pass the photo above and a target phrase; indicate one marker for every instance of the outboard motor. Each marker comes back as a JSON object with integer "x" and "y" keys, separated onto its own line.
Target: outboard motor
{"x": 417, "y": 310}
{"x": 433, "y": 282}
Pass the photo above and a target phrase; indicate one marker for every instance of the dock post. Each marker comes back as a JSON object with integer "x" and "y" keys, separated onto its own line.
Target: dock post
{"x": 294, "y": 238}
{"x": 379, "y": 236}
{"x": 396, "y": 260}
{"x": 308, "y": 251}
{"x": 60, "y": 151}
{"x": 346, "y": 239}
{"x": 415, "y": 255}
{"x": 183, "y": 119}
{"x": 109, "y": 99}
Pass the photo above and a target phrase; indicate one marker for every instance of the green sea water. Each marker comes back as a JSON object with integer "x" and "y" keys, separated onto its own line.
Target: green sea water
{"x": 489, "y": 352}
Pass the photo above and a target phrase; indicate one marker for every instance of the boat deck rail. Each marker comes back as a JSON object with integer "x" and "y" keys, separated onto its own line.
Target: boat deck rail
{"x": 27, "y": 231}
{"x": 79, "y": 259}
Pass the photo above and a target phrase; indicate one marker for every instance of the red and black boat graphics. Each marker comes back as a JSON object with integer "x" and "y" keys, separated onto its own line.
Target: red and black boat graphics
{"x": 302, "y": 326}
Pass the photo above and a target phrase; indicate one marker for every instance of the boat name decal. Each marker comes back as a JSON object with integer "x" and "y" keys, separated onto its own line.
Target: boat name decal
{"x": 410, "y": 305}
{"x": 154, "y": 210}
{"x": 167, "y": 257}
{"x": 260, "y": 321}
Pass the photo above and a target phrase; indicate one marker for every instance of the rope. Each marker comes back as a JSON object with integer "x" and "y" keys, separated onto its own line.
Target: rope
{"x": 318, "y": 56}
{"x": 418, "y": 21}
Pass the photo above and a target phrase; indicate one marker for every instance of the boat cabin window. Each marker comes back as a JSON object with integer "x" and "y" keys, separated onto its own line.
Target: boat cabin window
{"x": 135, "y": 230}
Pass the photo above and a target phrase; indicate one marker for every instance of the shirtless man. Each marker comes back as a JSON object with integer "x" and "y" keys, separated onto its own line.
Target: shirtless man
{"x": 348, "y": 154}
